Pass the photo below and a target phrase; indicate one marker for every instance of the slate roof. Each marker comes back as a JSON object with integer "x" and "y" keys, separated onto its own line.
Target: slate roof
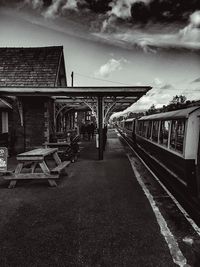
{"x": 30, "y": 67}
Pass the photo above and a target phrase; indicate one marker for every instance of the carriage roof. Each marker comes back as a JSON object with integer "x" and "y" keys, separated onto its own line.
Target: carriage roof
{"x": 130, "y": 120}
{"x": 175, "y": 114}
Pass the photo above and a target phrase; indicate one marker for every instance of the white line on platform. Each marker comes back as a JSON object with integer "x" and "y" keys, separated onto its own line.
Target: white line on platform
{"x": 175, "y": 251}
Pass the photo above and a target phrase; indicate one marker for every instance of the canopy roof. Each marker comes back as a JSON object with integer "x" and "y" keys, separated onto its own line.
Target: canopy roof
{"x": 78, "y": 98}
{"x": 137, "y": 91}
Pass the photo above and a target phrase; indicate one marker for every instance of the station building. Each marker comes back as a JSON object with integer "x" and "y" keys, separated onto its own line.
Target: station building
{"x": 29, "y": 121}
{"x": 37, "y": 106}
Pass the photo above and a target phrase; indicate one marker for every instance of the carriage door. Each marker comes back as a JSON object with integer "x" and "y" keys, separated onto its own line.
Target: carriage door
{"x": 198, "y": 164}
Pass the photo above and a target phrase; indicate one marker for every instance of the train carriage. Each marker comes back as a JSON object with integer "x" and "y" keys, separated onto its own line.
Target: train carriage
{"x": 129, "y": 128}
{"x": 173, "y": 139}
{"x": 120, "y": 125}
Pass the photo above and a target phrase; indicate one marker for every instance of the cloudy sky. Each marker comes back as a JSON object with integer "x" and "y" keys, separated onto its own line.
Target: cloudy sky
{"x": 108, "y": 47}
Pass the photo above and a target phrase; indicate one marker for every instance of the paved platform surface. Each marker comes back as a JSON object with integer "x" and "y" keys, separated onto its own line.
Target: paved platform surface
{"x": 97, "y": 216}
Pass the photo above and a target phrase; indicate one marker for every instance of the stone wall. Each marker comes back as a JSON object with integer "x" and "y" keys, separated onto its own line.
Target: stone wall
{"x": 35, "y": 125}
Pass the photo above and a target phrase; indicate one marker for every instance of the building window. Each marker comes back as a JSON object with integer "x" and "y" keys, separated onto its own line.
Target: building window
{"x": 164, "y": 133}
{"x": 155, "y": 130}
{"x": 177, "y": 135}
{"x": 88, "y": 116}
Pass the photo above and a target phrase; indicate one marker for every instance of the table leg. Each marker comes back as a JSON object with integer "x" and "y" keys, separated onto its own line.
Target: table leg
{"x": 57, "y": 158}
{"x": 18, "y": 169}
{"x": 45, "y": 169}
{"x": 12, "y": 184}
{"x": 33, "y": 167}
{"x": 52, "y": 182}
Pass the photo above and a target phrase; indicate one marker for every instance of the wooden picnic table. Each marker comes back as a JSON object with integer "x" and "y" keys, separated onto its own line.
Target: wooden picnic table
{"x": 34, "y": 158}
{"x": 62, "y": 146}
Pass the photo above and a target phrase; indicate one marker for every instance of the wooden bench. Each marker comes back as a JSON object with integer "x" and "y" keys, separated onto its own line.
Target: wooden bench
{"x": 60, "y": 167}
{"x": 31, "y": 160}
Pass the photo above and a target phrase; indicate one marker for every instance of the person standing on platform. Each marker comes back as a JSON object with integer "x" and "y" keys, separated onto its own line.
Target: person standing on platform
{"x": 82, "y": 130}
{"x": 88, "y": 130}
{"x": 92, "y": 127}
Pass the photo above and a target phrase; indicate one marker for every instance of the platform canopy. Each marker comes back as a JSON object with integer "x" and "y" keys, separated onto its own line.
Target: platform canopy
{"x": 136, "y": 91}
{"x": 83, "y": 98}
{"x": 103, "y": 101}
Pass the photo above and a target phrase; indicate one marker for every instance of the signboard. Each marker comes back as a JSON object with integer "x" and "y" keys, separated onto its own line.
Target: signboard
{"x": 3, "y": 159}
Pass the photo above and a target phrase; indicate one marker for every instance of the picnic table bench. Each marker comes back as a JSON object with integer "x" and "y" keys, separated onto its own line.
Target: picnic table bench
{"x": 66, "y": 149}
{"x": 61, "y": 146}
{"x": 34, "y": 158}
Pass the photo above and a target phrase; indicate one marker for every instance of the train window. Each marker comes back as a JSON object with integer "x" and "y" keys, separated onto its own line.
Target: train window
{"x": 149, "y": 130}
{"x": 177, "y": 135}
{"x": 140, "y": 127}
{"x": 164, "y": 133}
{"x": 129, "y": 126}
{"x": 155, "y": 131}
{"x": 144, "y": 128}
{"x": 133, "y": 126}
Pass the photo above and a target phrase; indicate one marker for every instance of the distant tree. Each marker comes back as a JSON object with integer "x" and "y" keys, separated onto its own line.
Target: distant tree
{"x": 163, "y": 109}
{"x": 130, "y": 115}
{"x": 177, "y": 102}
{"x": 114, "y": 119}
{"x": 181, "y": 99}
{"x": 120, "y": 118}
{"x": 188, "y": 102}
{"x": 151, "y": 110}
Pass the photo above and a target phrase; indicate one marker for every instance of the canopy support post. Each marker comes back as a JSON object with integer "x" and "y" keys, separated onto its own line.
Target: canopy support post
{"x": 100, "y": 126}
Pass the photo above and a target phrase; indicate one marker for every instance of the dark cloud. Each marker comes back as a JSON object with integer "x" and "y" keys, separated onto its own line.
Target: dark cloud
{"x": 44, "y": 3}
{"x": 136, "y": 10}
{"x": 143, "y": 24}
{"x": 164, "y": 10}
{"x": 99, "y": 6}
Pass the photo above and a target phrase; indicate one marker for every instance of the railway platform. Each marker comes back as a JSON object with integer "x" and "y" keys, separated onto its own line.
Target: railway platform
{"x": 97, "y": 216}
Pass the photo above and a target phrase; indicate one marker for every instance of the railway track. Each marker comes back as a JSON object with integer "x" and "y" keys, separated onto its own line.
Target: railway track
{"x": 190, "y": 204}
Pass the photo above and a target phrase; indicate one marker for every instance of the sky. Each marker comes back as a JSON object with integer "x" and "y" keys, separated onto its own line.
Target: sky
{"x": 108, "y": 50}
